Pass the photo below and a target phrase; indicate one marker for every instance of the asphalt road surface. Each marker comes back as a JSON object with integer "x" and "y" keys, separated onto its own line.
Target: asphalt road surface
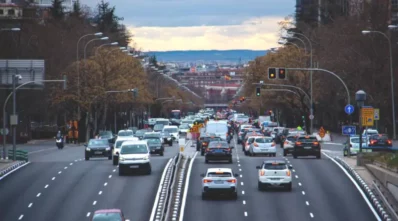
{"x": 60, "y": 185}
{"x": 321, "y": 191}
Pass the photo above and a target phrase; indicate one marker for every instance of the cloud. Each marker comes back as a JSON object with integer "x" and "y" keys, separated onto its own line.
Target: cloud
{"x": 256, "y": 34}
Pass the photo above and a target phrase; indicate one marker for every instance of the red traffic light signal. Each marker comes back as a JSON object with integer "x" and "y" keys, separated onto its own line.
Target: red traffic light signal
{"x": 282, "y": 73}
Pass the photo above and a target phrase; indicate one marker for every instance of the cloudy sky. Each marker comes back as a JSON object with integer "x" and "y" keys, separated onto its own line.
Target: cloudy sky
{"x": 163, "y": 25}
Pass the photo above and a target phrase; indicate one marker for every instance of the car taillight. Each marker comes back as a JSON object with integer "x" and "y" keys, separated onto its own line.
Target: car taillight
{"x": 315, "y": 143}
{"x": 207, "y": 181}
{"x": 262, "y": 173}
{"x": 372, "y": 142}
{"x": 298, "y": 143}
{"x": 389, "y": 142}
{"x": 204, "y": 143}
{"x": 273, "y": 144}
{"x": 232, "y": 181}
{"x": 288, "y": 173}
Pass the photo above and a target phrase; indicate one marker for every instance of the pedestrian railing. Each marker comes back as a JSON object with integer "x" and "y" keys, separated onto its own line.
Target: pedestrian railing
{"x": 21, "y": 155}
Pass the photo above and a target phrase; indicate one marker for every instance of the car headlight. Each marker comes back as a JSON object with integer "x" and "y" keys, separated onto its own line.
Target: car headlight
{"x": 169, "y": 138}
{"x": 145, "y": 158}
{"x": 108, "y": 148}
{"x": 88, "y": 149}
{"x": 121, "y": 159}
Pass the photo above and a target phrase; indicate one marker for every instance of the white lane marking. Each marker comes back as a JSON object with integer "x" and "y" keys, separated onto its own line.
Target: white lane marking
{"x": 299, "y": 184}
{"x": 75, "y": 160}
{"x": 95, "y": 202}
{"x": 12, "y": 171}
{"x": 71, "y": 164}
{"x": 45, "y": 187}
{"x": 110, "y": 176}
{"x": 53, "y": 178}
{"x": 241, "y": 183}
{"x": 59, "y": 172}
{"x": 20, "y": 217}
{"x": 244, "y": 202}
{"x": 88, "y": 214}
{"x": 243, "y": 192}
{"x": 238, "y": 165}
{"x": 238, "y": 161}
{"x": 288, "y": 162}
{"x": 312, "y": 215}
{"x": 357, "y": 186}
{"x": 240, "y": 169}
{"x": 114, "y": 170}
{"x": 240, "y": 175}
{"x": 293, "y": 170}
{"x": 105, "y": 184}
{"x": 306, "y": 202}
{"x": 30, "y": 205}
{"x": 65, "y": 168}
{"x": 38, "y": 194}
{"x": 303, "y": 192}
{"x": 296, "y": 177}
{"x": 100, "y": 192}
{"x": 245, "y": 213}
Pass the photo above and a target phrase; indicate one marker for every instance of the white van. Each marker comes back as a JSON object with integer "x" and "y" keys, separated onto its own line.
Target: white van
{"x": 173, "y": 130}
{"x": 118, "y": 144}
{"x": 134, "y": 155}
{"x": 220, "y": 128}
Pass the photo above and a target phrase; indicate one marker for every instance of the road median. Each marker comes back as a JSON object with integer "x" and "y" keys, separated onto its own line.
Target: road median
{"x": 7, "y": 167}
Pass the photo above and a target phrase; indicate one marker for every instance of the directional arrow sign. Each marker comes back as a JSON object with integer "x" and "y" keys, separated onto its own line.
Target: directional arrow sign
{"x": 349, "y": 109}
{"x": 348, "y": 130}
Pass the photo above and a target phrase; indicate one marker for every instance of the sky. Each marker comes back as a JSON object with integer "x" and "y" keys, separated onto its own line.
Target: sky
{"x": 165, "y": 25}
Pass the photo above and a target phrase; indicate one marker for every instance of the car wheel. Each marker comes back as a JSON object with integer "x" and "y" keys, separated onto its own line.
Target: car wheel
{"x": 110, "y": 157}
{"x": 87, "y": 158}
{"x": 121, "y": 172}
{"x": 161, "y": 153}
{"x": 345, "y": 153}
{"x": 202, "y": 153}
{"x": 294, "y": 156}
{"x": 206, "y": 161}
{"x": 115, "y": 160}
{"x": 260, "y": 186}
{"x": 235, "y": 196}
{"x": 149, "y": 171}
{"x": 204, "y": 197}
{"x": 289, "y": 187}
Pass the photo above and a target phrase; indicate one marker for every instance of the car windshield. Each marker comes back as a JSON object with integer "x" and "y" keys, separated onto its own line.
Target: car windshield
{"x": 105, "y": 134}
{"x": 153, "y": 141}
{"x": 250, "y": 140}
{"x": 274, "y": 166}
{"x": 140, "y": 132}
{"x": 371, "y": 132}
{"x": 219, "y": 174}
{"x": 356, "y": 140}
{"x": 134, "y": 148}
{"x": 164, "y": 122}
{"x": 158, "y": 127}
{"x": 307, "y": 139}
{"x": 107, "y": 217}
{"x": 98, "y": 142}
{"x": 184, "y": 126}
{"x": 218, "y": 145}
{"x": 292, "y": 139}
{"x": 170, "y": 130}
{"x": 263, "y": 140}
{"x": 119, "y": 143}
{"x": 125, "y": 133}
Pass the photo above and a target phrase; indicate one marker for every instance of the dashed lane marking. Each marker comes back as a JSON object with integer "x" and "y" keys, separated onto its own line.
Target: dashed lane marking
{"x": 38, "y": 195}
{"x": 59, "y": 172}
{"x": 243, "y": 192}
{"x": 95, "y": 202}
{"x": 307, "y": 203}
{"x": 30, "y": 205}
{"x": 238, "y": 165}
{"x": 105, "y": 184}
{"x": 20, "y": 217}
{"x": 88, "y": 214}
{"x": 240, "y": 175}
{"x": 245, "y": 213}
{"x": 312, "y": 215}
{"x": 241, "y": 183}
{"x": 46, "y": 186}
{"x": 53, "y": 178}
{"x": 244, "y": 202}
{"x": 296, "y": 177}
{"x": 100, "y": 192}
{"x": 240, "y": 169}
{"x": 114, "y": 170}
{"x": 303, "y": 192}
{"x": 110, "y": 176}
{"x": 65, "y": 168}
{"x": 294, "y": 170}
{"x": 299, "y": 184}
{"x": 71, "y": 164}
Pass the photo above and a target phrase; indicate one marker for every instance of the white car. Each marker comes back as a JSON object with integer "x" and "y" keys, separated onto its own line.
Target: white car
{"x": 173, "y": 130}
{"x": 246, "y": 146}
{"x": 125, "y": 133}
{"x": 219, "y": 181}
{"x": 152, "y": 121}
{"x": 274, "y": 173}
{"x": 134, "y": 155}
{"x": 288, "y": 145}
{"x": 118, "y": 145}
{"x": 184, "y": 129}
{"x": 263, "y": 145}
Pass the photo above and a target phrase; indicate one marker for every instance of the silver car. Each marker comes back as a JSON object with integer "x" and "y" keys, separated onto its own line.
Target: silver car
{"x": 288, "y": 146}
{"x": 263, "y": 145}
{"x": 219, "y": 181}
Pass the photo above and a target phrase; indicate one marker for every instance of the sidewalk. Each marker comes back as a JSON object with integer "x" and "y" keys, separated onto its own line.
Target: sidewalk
{"x": 362, "y": 171}
{"x": 7, "y": 166}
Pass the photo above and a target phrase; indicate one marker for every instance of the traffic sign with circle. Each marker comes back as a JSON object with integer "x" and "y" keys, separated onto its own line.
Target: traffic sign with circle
{"x": 311, "y": 117}
{"x": 349, "y": 109}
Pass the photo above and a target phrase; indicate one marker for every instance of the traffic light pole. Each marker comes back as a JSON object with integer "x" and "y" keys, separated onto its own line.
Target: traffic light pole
{"x": 284, "y": 85}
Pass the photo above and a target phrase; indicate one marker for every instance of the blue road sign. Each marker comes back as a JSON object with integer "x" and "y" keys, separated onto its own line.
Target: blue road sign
{"x": 349, "y": 109}
{"x": 349, "y": 130}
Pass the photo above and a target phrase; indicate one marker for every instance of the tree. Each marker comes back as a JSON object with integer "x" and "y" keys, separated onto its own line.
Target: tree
{"x": 57, "y": 9}
{"x": 153, "y": 60}
{"x": 77, "y": 10}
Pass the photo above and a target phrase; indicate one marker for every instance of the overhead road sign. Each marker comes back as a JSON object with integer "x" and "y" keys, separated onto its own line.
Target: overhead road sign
{"x": 349, "y": 109}
{"x": 376, "y": 114}
{"x": 348, "y": 130}
{"x": 367, "y": 114}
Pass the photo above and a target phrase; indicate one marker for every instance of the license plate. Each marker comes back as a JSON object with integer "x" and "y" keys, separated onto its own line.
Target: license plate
{"x": 218, "y": 181}
{"x": 275, "y": 179}
{"x": 134, "y": 166}
{"x": 218, "y": 151}
{"x": 264, "y": 150}
{"x": 98, "y": 152}
{"x": 152, "y": 150}
{"x": 307, "y": 148}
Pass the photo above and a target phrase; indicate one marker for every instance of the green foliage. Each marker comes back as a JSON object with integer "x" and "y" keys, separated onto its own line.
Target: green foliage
{"x": 57, "y": 9}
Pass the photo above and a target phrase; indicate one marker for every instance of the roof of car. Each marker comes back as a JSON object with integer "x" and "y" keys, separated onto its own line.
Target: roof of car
{"x": 275, "y": 161}
{"x": 127, "y": 130}
{"x": 126, "y": 138}
{"x": 309, "y": 136}
{"x": 152, "y": 133}
{"x": 169, "y": 126}
{"x": 218, "y": 141}
{"x": 213, "y": 170}
{"x": 129, "y": 142}
{"x": 108, "y": 211}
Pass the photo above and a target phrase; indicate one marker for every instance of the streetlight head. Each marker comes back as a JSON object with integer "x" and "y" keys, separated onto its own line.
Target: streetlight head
{"x": 104, "y": 38}
{"x": 392, "y": 26}
{"x": 125, "y": 51}
{"x": 114, "y": 43}
{"x": 15, "y": 29}
{"x": 122, "y": 48}
{"x": 360, "y": 96}
{"x": 284, "y": 37}
{"x": 98, "y": 34}
{"x": 364, "y": 32}
{"x": 281, "y": 42}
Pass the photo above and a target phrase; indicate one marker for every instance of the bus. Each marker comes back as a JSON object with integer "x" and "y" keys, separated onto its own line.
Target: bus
{"x": 175, "y": 114}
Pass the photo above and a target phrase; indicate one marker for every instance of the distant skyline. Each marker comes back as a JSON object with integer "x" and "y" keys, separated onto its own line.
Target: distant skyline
{"x": 164, "y": 25}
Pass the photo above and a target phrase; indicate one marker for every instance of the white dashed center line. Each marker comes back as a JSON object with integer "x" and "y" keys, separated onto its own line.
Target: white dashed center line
{"x": 299, "y": 184}
{"x": 65, "y": 168}
{"x": 38, "y": 194}
{"x": 296, "y": 177}
{"x": 30, "y": 205}
{"x": 241, "y": 183}
{"x": 71, "y": 164}
{"x": 53, "y": 178}
{"x": 238, "y": 165}
{"x": 114, "y": 170}
{"x": 45, "y": 187}
{"x": 245, "y": 213}
{"x": 59, "y": 172}
{"x": 20, "y": 217}
{"x": 293, "y": 170}
{"x": 110, "y": 176}
{"x": 312, "y": 215}
{"x": 306, "y": 202}
{"x": 240, "y": 169}
{"x": 240, "y": 175}
{"x": 105, "y": 184}
{"x": 244, "y": 202}
{"x": 303, "y": 192}
{"x": 95, "y": 202}
{"x": 243, "y": 192}
{"x": 88, "y": 214}
{"x": 100, "y": 192}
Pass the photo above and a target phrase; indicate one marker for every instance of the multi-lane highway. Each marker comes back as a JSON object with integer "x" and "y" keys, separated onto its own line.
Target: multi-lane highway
{"x": 321, "y": 191}
{"x": 60, "y": 185}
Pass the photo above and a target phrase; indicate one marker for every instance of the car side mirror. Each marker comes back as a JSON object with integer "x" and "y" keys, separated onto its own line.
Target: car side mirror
{"x": 202, "y": 175}
{"x": 290, "y": 167}
{"x": 258, "y": 167}
{"x": 236, "y": 175}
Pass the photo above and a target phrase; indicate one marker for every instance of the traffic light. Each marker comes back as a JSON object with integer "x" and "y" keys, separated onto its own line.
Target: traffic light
{"x": 271, "y": 73}
{"x": 281, "y": 73}
{"x": 258, "y": 90}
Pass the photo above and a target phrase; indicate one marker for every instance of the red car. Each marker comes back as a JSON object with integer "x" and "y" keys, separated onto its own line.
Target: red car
{"x": 108, "y": 215}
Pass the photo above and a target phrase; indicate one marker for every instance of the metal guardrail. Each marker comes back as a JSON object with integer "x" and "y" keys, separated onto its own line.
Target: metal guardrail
{"x": 21, "y": 155}
{"x": 366, "y": 189}
{"x": 179, "y": 190}
{"x": 386, "y": 203}
{"x": 171, "y": 188}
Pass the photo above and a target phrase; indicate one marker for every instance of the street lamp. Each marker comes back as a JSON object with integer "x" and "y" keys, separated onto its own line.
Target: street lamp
{"x": 111, "y": 44}
{"x": 285, "y": 43}
{"x": 365, "y": 32}
{"x": 10, "y": 29}
{"x": 95, "y": 39}
{"x": 98, "y": 34}
{"x": 360, "y": 98}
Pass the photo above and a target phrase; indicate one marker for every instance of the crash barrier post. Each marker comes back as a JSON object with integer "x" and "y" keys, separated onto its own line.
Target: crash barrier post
{"x": 20, "y": 155}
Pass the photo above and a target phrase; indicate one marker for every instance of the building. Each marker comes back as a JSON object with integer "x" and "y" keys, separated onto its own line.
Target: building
{"x": 10, "y": 10}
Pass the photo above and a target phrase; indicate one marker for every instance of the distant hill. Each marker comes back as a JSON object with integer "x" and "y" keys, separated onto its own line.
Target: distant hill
{"x": 227, "y": 56}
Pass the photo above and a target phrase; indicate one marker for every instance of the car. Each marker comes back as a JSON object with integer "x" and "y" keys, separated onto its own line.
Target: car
{"x": 134, "y": 155}
{"x": 219, "y": 128}
{"x": 140, "y": 133}
{"x": 288, "y": 144}
{"x": 107, "y": 134}
{"x": 380, "y": 142}
{"x": 352, "y": 144}
{"x": 155, "y": 146}
{"x": 116, "y": 148}
{"x": 248, "y": 140}
{"x": 218, "y": 150}
{"x": 307, "y": 146}
{"x": 262, "y": 145}
{"x": 152, "y": 121}
{"x": 158, "y": 127}
{"x": 98, "y": 148}
{"x": 274, "y": 173}
{"x": 125, "y": 133}
{"x": 157, "y": 135}
{"x": 204, "y": 142}
{"x": 167, "y": 138}
{"x": 183, "y": 129}
{"x": 173, "y": 130}
{"x": 219, "y": 181}
{"x": 108, "y": 215}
